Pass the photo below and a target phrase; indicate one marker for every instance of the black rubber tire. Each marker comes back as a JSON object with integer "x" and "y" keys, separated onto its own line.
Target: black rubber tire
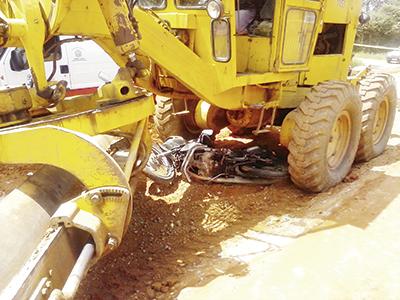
{"x": 314, "y": 121}
{"x": 373, "y": 90}
{"x": 265, "y": 172}
{"x": 166, "y": 123}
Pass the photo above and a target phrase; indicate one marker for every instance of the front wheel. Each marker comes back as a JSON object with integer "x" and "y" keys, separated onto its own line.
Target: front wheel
{"x": 159, "y": 167}
{"x": 325, "y": 136}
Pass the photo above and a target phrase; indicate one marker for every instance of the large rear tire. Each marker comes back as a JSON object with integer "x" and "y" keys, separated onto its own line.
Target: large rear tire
{"x": 378, "y": 97}
{"x": 325, "y": 136}
{"x": 167, "y": 123}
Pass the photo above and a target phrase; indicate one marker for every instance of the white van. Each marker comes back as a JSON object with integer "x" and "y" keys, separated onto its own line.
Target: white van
{"x": 84, "y": 65}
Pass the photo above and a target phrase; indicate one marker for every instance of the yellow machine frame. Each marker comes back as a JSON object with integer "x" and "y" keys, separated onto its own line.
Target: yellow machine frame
{"x": 253, "y": 61}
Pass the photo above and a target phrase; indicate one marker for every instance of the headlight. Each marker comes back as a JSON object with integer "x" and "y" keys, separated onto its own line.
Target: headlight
{"x": 215, "y": 9}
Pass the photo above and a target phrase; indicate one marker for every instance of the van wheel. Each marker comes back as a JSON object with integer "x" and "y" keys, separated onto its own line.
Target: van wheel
{"x": 325, "y": 136}
{"x": 378, "y": 97}
{"x": 167, "y": 123}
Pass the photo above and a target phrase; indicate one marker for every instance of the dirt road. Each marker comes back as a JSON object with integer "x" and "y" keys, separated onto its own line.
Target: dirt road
{"x": 234, "y": 242}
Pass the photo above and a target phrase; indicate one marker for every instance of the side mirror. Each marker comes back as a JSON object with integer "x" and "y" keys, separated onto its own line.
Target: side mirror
{"x": 18, "y": 60}
{"x": 364, "y": 18}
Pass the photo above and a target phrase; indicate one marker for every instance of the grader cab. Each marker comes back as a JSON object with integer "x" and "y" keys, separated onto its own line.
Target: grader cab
{"x": 261, "y": 65}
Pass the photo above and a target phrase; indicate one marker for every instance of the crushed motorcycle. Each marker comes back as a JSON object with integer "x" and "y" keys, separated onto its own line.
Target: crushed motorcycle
{"x": 200, "y": 160}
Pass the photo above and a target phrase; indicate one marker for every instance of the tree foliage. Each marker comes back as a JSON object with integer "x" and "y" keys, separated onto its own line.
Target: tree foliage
{"x": 370, "y": 5}
{"x": 384, "y": 26}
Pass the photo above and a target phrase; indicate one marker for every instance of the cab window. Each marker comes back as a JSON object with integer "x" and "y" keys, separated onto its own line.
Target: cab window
{"x": 255, "y": 17}
{"x": 153, "y": 4}
{"x": 191, "y": 4}
{"x": 221, "y": 40}
{"x": 299, "y": 31}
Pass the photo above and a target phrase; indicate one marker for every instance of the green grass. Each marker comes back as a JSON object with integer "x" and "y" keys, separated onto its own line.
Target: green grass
{"x": 357, "y": 62}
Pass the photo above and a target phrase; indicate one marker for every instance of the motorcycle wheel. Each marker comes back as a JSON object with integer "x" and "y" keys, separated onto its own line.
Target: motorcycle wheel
{"x": 159, "y": 168}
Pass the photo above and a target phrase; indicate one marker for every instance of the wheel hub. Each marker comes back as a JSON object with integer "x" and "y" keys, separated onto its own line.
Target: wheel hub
{"x": 380, "y": 121}
{"x": 339, "y": 140}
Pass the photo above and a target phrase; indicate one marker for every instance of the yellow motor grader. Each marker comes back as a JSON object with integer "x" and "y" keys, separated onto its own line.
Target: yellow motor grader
{"x": 278, "y": 65}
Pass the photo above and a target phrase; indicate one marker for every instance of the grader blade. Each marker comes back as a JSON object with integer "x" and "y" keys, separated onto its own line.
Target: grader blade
{"x": 74, "y": 209}
{"x": 76, "y": 206}
{"x": 25, "y": 215}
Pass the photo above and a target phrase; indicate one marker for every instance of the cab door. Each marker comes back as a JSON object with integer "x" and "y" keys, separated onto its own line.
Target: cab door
{"x": 296, "y": 33}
